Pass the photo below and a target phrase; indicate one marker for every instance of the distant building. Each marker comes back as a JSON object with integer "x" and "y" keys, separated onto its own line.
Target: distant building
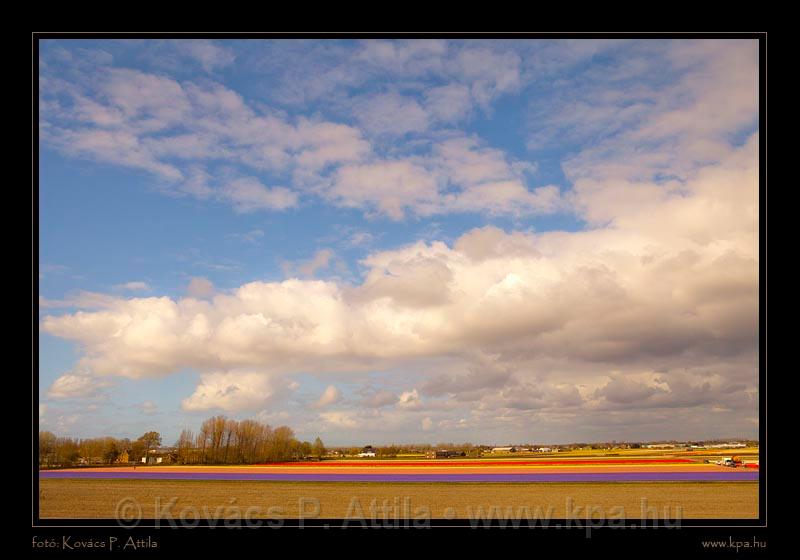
{"x": 444, "y": 454}
{"x": 545, "y": 450}
{"x": 163, "y": 455}
{"x": 368, "y": 451}
{"x": 504, "y": 449}
{"x": 731, "y": 445}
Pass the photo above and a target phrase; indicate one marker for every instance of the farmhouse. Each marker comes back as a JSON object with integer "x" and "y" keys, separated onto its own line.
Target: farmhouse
{"x": 368, "y": 451}
{"x": 164, "y": 455}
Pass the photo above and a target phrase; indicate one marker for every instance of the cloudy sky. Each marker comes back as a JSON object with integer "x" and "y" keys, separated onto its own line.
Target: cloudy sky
{"x": 400, "y": 241}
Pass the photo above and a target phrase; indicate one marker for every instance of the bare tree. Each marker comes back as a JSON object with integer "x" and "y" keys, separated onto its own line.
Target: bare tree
{"x": 185, "y": 445}
{"x": 229, "y": 434}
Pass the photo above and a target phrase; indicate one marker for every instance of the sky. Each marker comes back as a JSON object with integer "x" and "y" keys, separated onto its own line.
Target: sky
{"x": 395, "y": 241}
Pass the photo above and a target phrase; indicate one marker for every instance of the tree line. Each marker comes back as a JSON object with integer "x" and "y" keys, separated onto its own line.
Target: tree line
{"x": 222, "y": 440}
{"x": 66, "y": 451}
{"x": 219, "y": 440}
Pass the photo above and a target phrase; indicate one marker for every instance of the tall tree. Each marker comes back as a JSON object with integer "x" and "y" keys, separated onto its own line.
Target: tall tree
{"x": 47, "y": 447}
{"x": 318, "y": 448}
{"x": 282, "y": 443}
{"x": 149, "y": 440}
{"x": 185, "y": 446}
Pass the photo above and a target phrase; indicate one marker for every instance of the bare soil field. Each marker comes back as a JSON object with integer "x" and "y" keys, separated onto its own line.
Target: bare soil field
{"x": 103, "y": 499}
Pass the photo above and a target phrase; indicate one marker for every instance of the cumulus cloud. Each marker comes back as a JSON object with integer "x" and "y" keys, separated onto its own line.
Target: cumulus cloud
{"x": 230, "y": 391}
{"x": 200, "y": 287}
{"x": 624, "y": 391}
{"x": 330, "y": 396}
{"x": 339, "y": 420}
{"x": 655, "y": 291}
{"x": 478, "y": 378}
{"x": 678, "y": 289}
{"x": 409, "y": 399}
{"x": 646, "y": 316}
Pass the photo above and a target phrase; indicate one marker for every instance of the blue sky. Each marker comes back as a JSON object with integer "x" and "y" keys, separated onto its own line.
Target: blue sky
{"x": 397, "y": 241}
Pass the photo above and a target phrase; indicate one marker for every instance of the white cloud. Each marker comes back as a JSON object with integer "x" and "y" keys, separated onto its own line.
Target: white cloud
{"x": 174, "y": 130}
{"x": 670, "y": 284}
{"x": 410, "y": 282}
{"x": 450, "y": 103}
{"x": 320, "y": 261}
{"x": 325, "y": 143}
{"x": 390, "y": 187}
{"x": 648, "y": 316}
{"x": 490, "y": 73}
{"x": 210, "y": 55}
{"x": 117, "y": 147}
{"x": 646, "y": 285}
{"x": 230, "y": 391}
{"x": 638, "y": 126}
{"x": 180, "y": 130}
{"x": 404, "y": 57}
{"x": 148, "y": 408}
{"x": 391, "y": 113}
{"x": 76, "y": 386}
{"x": 340, "y": 420}
{"x": 200, "y": 287}
{"x": 247, "y": 194}
{"x": 360, "y": 239}
{"x": 136, "y": 286}
{"x": 330, "y": 396}
{"x": 79, "y": 300}
{"x": 460, "y": 175}
{"x": 409, "y": 400}
{"x": 379, "y": 399}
